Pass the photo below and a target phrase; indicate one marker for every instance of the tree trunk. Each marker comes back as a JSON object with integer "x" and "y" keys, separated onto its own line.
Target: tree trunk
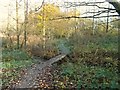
{"x": 26, "y": 20}
{"x": 17, "y": 24}
{"x": 116, "y": 5}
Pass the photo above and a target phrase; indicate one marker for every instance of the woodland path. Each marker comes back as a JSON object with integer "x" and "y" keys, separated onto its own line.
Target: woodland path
{"x": 41, "y": 66}
{"x": 27, "y": 81}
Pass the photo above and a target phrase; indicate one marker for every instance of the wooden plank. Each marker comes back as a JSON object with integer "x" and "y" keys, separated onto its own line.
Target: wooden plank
{"x": 32, "y": 72}
{"x": 55, "y": 59}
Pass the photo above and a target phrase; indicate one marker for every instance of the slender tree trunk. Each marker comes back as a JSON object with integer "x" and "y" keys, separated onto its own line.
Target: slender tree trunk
{"x": 107, "y": 25}
{"x": 17, "y": 24}
{"x": 26, "y": 20}
{"x": 93, "y": 24}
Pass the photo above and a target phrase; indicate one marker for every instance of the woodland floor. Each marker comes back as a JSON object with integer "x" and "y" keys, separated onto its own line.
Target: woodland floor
{"x": 38, "y": 74}
{"x": 48, "y": 74}
{"x": 84, "y": 67}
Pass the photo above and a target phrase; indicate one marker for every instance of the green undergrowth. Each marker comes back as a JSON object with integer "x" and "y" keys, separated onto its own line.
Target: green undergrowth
{"x": 14, "y": 55}
{"x": 107, "y": 42}
{"x": 13, "y": 61}
{"x": 82, "y": 75}
{"x": 92, "y": 62}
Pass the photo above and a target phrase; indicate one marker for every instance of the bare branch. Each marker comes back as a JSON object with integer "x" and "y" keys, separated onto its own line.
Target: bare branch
{"x": 116, "y": 4}
{"x": 102, "y": 11}
{"x": 75, "y": 4}
{"x": 69, "y": 17}
{"x": 38, "y": 8}
{"x": 100, "y": 16}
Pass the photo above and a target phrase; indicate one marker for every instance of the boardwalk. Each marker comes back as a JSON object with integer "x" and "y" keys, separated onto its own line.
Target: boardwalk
{"x": 27, "y": 80}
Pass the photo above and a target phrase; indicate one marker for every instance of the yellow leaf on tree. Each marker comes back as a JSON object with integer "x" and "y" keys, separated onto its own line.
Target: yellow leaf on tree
{"x": 39, "y": 17}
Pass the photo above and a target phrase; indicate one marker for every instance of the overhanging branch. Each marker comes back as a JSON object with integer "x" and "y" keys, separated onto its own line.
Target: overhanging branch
{"x": 38, "y": 8}
{"x": 116, "y": 4}
{"x": 75, "y": 4}
{"x": 70, "y": 17}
